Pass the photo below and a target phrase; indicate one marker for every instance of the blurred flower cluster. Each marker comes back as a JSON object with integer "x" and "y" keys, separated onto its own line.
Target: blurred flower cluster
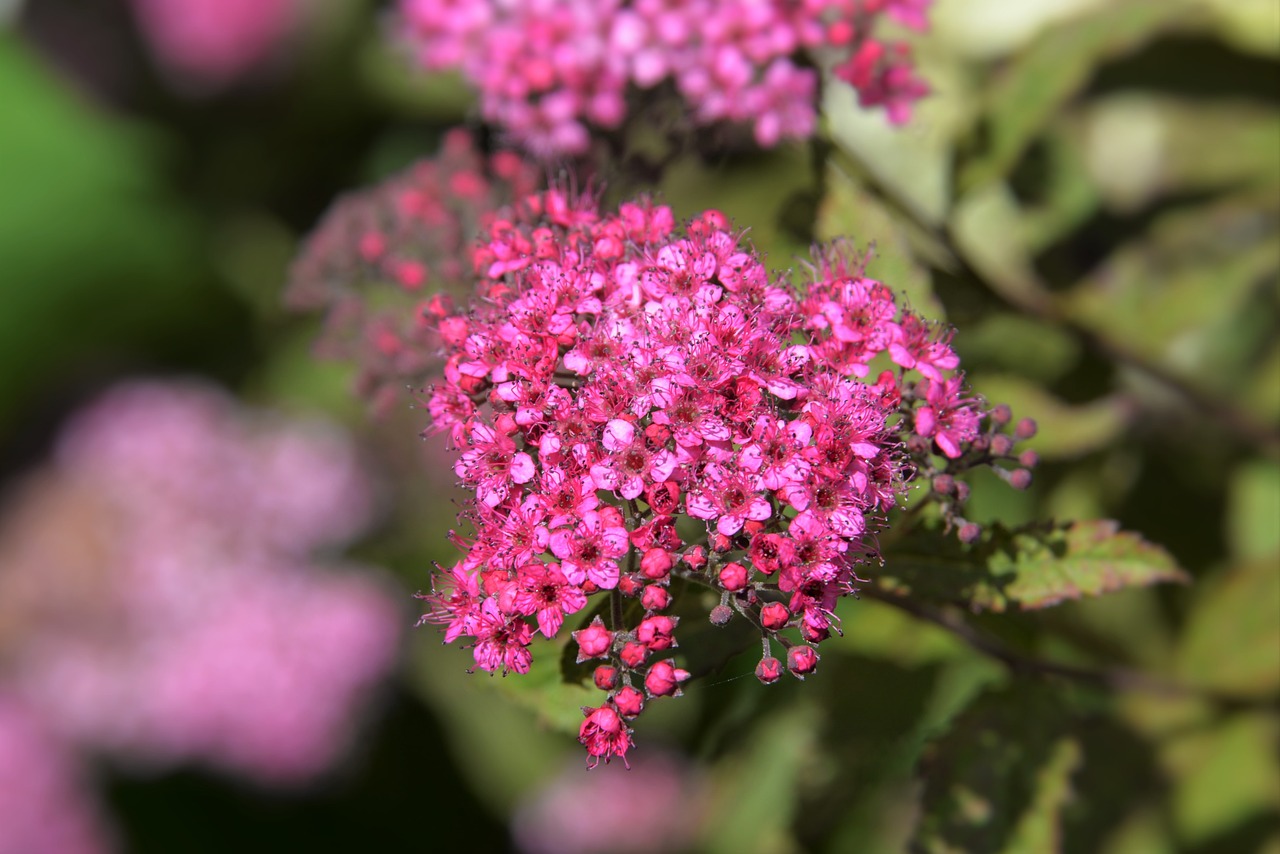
{"x": 160, "y": 599}
{"x": 549, "y": 72}
{"x": 633, "y": 404}
{"x": 370, "y": 261}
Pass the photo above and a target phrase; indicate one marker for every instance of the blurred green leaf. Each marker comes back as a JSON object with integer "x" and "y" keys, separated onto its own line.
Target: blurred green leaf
{"x": 1026, "y": 569}
{"x": 757, "y": 789}
{"x": 1253, "y": 510}
{"x": 987, "y": 227}
{"x": 1232, "y": 641}
{"x": 1032, "y": 89}
{"x": 1016, "y": 343}
{"x": 998, "y": 779}
{"x": 1063, "y": 431}
{"x": 1224, "y": 776}
{"x": 1187, "y": 294}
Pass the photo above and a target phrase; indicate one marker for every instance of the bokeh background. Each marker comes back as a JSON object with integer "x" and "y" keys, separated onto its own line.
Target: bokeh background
{"x": 1091, "y": 196}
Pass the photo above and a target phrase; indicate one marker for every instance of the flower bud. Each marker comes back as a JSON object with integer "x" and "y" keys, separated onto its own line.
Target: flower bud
{"x": 721, "y": 614}
{"x": 1019, "y": 478}
{"x": 1001, "y": 444}
{"x": 1001, "y": 414}
{"x": 1028, "y": 459}
{"x": 962, "y": 491}
{"x": 655, "y": 632}
{"x": 801, "y": 660}
{"x": 593, "y": 641}
{"x": 664, "y": 678}
{"x": 970, "y": 532}
{"x": 656, "y": 564}
{"x": 695, "y": 557}
{"x": 629, "y": 585}
{"x": 774, "y": 616}
{"x": 733, "y": 576}
{"x": 944, "y": 484}
{"x": 1025, "y": 429}
{"x": 655, "y": 598}
{"x": 633, "y": 654}
{"x": 606, "y": 677}
{"x": 769, "y": 670}
{"x": 630, "y": 702}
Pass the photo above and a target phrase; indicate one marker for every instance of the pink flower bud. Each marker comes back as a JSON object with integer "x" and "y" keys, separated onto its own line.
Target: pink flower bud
{"x": 801, "y": 660}
{"x": 696, "y": 558}
{"x": 633, "y": 654}
{"x": 1025, "y": 429}
{"x": 774, "y": 616}
{"x": 814, "y": 634}
{"x": 970, "y": 532}
{"x": 733, "y": 576}
{"x": 721, "y": 614}
{"x": 593, "y": 641}
{"x": 769, "y": 670}
{"x": 655, "y": 632}
{"x": 664, "y": 678}
{"x": 606, "y": 677}
{"x": 629, "y": 585}
{"x": 1019, "y": 478}
{"x": 1029, "y": 459}
{"x": 630, "y": 702}
{"x": 655, "y": 598}
{"x": 944, "y": 484}
{"x": 656, "y": 564}
{"x": 1001, "y": 444}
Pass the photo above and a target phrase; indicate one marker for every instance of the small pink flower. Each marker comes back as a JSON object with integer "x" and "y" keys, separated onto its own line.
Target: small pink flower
{"x": 604, "y": 734}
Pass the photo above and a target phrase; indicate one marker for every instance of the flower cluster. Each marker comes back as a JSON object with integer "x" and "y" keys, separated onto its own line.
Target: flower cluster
{"x": 547, "y": 70}
{"x": 638, "y": 409}
{"x": 159, "y": 601}
{"x": 375, "y": 254}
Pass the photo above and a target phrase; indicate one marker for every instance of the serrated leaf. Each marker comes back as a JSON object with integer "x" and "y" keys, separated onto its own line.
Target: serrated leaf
{"x": 1026, "y": 569}
{"x": 1232, "y": 641}
{"x": 998, "y": 779}
{"x": 1032, "y": 89}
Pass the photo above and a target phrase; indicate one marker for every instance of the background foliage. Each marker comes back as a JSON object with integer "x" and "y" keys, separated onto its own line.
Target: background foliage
{"x": 1091, "y": 196}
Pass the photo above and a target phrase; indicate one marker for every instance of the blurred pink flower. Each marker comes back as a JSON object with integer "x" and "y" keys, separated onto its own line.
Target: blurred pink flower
{"x": 43, "y": 803}
{"x": 173, "y": 612}
{"x": 211, "y": 43}
{"x": 652, "y": 807}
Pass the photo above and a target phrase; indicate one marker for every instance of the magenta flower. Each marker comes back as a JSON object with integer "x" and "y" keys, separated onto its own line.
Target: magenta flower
{"x": 633, "y": 463}
{"x": 542, "y": 589}
{"x": 589, "y": 551}
{"x": 604, "y": 734}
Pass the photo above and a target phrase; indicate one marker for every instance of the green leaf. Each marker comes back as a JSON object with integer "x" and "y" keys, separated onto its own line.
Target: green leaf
{"x": 1025, "y": 569}
{"x": 1224, "y": 776}
{"x": 1033, "y": 89}
{"x": 999, "y": 778}
{"x": 1232, "y": 641}
{"x": 1253, "y": 506}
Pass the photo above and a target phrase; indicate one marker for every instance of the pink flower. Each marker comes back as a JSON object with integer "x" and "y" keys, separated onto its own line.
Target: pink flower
{"x": 501, "y": 641}
{"x": 590, "y": 550}
{"x": 544, "y": 590}
{"x": 946, "y": 416}
{"x": 604, "y": 734}
{"x": 493, "y": 464}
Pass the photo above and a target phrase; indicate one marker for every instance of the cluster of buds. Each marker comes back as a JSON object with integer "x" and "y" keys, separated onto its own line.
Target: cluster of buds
{"x": 639, "y": 410}
{"x": 376, "y": 252}
{"x": 549, "y": 71}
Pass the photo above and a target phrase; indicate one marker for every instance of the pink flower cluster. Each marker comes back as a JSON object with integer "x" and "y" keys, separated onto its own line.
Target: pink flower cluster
{"x": 386, "y": 246}
{"x": 211, "y": 43}
{"x": 169, "y": 605}
{"x": 548, "y": 70}
{"x": 633, "y": 405}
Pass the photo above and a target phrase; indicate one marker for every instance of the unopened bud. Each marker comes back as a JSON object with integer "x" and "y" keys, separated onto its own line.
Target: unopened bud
{"x": 593, "y": 641}
{"x": 1001, "y": 444}
{"x": 655, "y": 598}
{"x": 664, "y": 678}
{"x": 733, "y": 576}
{"x": 721, "y": 614}
{"x": 1029, "y": 459}
{"x": 633, "y": 654}
{"x": 970, "y": 532}
{"x": 656, "y": 564}
{"x": 1001, "y": 414}
{"x": 606, "y": 677}
{"x": 774, "y": 616}
{"x": 769, "y": 670}
{"x": 1025, "y": 429}
{"x": 629, "y": 701}
{"x": 944, "y": 484}
{"x": 1020, "y": 478}
{"x": 802, "y": 660}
